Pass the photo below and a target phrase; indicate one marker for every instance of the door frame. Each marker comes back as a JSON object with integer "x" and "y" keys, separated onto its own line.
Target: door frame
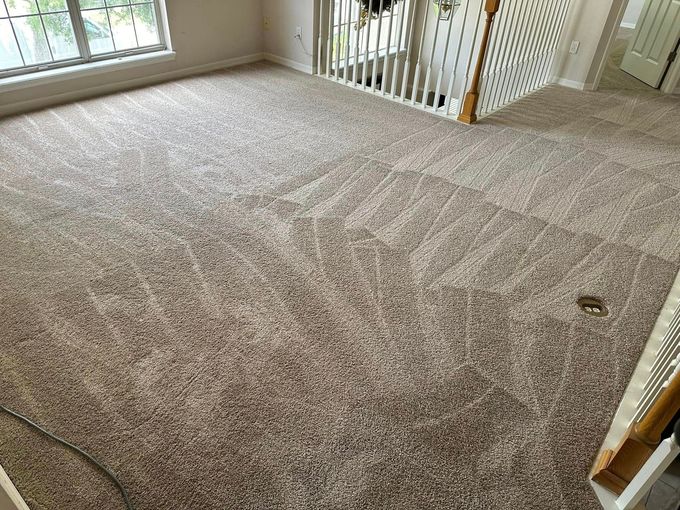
{"x": 672, "y": 80}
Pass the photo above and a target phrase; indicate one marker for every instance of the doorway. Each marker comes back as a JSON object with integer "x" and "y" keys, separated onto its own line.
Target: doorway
{"x": 641, "y": 48}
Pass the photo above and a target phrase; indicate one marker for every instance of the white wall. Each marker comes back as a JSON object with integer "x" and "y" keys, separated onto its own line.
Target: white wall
{"x": 632, "y": 13}
{"x": 589, "y": 23}
{"x": 283, "y": 17}
{"x": 202, "y": 32}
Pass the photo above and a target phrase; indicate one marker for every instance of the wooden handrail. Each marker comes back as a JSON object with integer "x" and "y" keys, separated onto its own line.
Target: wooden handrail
{"x": 616, "y": 468}
{"x": 468, "y": 113}
{"x": 660, "y": 414}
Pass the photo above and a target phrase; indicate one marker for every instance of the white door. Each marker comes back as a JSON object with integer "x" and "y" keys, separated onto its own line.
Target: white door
{"x": 654, "y": 41}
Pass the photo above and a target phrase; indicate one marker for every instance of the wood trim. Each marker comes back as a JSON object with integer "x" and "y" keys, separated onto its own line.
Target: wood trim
{"x": 468, "y": 114}
{"x": 615, "y": 469}
{"x": 660, "y": 414}
{"x": 10, "y": 499}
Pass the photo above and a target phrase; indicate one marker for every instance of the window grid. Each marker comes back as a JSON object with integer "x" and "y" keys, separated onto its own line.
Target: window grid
{"x": 14, "y": 33}
{"x": 112, "y": 4}
{"x": 82, "y": 41}
{"x": 42, "y": 24}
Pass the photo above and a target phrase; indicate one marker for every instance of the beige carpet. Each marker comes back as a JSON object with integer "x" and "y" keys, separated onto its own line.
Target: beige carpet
{"x": 256, "y": 289}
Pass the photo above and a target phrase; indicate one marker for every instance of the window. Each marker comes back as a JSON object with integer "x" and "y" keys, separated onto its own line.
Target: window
{"x": 345, "y": 32}
{"x": 42, "y": 34}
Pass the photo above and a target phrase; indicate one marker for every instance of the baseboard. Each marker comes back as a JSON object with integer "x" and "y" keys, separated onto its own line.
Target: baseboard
{"x": 43, "y": 102}
{"x": 578, "y": 85}
{"x": 625, "y": 24}
{"x": 293, "y": 64}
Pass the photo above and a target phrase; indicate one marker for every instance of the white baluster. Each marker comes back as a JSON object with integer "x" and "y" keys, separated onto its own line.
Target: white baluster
{"x": 452, "y": 78}
{"x": 492, "y": 56}
{"x": 407, "y": 63}
{"x": 499, "y": 72}
{"x": 520, "y": 33}
{"x": 428, "y": 72}
{"x": 416, "y": 78}
{"x": 546, "y": 30}
{"x": 671, "y": 346}
{"x": 355, "y": 65}
{"x": 471, "y": 54}
{"x": 523, "y": 50}
{"x": 367, "y": 35}
{"x": 442, "y": 68}
{"x": 397, "y": 57}
{"x": 555, "y": 42}
{"x": 329, "y": 43}
{"x": 386, "y": 61}
{"x": 506, "y": 75}
{"x": 337, "y": 42}
{"x": 376, "y": 54}
{"x": 319, "y": 48}
{"x": 530, "y": 56}
{"x": 650, "y": 396}
{"x": 348, "y": 32}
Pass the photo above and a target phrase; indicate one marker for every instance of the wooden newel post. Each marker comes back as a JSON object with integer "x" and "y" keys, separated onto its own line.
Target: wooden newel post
{"x": 616, "y": 468}
{"x": 469, "y": 112}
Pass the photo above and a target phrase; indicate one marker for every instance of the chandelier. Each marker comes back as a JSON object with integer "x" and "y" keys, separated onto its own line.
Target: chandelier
{"x": 446, "y": 8}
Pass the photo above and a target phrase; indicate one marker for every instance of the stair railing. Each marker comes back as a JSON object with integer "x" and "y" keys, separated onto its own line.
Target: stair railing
{"x": 411, "y": 53}
{"x": 651, "y": 471}
{"x": 615, "y": 469}
{"x": 650, "y": 403}
{"x": 426, "y": 49}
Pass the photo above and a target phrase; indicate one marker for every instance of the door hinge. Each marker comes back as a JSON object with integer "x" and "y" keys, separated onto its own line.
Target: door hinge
{"x": 672, "y": 56}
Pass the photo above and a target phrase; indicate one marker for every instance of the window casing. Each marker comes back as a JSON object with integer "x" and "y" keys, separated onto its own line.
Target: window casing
{"x": 37, "y": 35}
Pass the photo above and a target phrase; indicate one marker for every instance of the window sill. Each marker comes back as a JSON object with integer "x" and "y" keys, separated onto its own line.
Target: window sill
{"x": 81, "y": 70}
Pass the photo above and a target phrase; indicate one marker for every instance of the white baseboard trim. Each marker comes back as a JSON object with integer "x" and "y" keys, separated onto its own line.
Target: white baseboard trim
{"x": 293, "y": 64}
{"x": 578, "y": 85}
{"x": 626, "y": 24}
{"x": 42, "y": 102}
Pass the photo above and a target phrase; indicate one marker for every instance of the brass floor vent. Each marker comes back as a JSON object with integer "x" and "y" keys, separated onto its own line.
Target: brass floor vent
{"x": 593, "y": 306}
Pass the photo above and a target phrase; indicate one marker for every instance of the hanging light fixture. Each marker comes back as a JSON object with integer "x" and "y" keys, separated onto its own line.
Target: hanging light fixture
{"x": 446, "y": 8}
{"x": 374, "y": 6}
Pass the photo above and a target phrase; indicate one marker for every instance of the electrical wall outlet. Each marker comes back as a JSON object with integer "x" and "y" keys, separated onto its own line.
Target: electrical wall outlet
{"x": 298, "y": 31}
{"x": 266, "y": 23}
{"x": 573, "y": 49}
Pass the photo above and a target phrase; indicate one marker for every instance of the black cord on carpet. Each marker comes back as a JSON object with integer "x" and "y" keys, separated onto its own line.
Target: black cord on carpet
{"x": 73, "y": 447}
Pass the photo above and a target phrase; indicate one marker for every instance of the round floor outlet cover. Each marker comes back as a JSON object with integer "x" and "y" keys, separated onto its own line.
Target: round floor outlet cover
{"x": 593, "y": 306}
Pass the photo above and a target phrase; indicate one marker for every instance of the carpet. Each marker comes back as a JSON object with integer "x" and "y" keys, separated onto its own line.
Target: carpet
{"x": 256, "y": 289}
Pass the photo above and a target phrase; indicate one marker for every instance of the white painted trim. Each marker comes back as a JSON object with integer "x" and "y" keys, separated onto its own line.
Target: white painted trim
{"x": 579, "y": 85}
{"x": 671, "y": 83}
{"x": 293, "y": 64}
{"x": 9, "y": 495}
{"x": 626, "y": 24}
{"x": 602, "y": 65}
{"x": 82, "y": 70}
{"x": 42, "y": 102}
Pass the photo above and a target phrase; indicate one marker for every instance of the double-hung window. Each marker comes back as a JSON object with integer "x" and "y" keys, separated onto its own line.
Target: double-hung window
{"x": 36, "y": 35}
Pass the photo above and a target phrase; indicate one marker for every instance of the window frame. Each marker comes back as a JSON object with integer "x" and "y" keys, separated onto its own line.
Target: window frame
{"x": 86, "y": 57}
